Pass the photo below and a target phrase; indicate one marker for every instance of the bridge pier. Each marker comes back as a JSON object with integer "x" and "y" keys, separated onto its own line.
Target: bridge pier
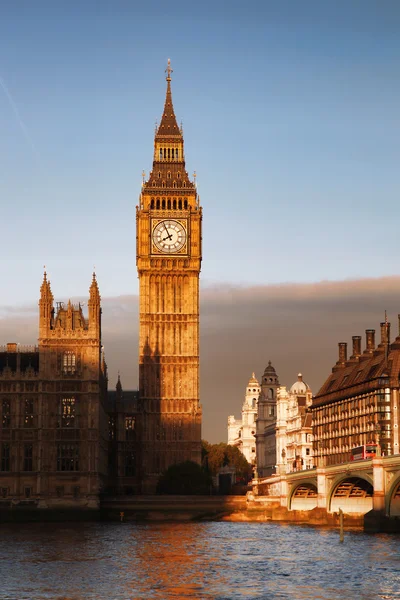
{"x": 378, "y": 498}
{"x": 322, "y": 488}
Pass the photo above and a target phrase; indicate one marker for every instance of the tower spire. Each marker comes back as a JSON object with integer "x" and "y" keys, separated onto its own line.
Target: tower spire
{"x": 168, "y": 125}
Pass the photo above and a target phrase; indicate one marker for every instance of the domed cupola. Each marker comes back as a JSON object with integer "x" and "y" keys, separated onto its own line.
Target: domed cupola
{"x": 270, "y": 375}
{"x": 299, "y": 387}
{"x": 253, "y": 381}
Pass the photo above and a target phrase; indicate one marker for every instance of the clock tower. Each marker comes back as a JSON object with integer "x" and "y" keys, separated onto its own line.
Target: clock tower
{"x": 168, "y": 249}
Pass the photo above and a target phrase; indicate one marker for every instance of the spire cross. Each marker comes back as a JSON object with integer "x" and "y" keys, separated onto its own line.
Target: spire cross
{"x": 168, "y": 70}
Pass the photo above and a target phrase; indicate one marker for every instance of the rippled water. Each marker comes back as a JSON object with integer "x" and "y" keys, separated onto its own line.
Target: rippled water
{"x": 125, "y": 561}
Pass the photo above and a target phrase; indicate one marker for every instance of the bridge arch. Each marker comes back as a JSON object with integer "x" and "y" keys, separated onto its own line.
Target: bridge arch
{"x": 303, "y": 496}
{"x": 393, "y": 499}
{"x": 352, "y": 493}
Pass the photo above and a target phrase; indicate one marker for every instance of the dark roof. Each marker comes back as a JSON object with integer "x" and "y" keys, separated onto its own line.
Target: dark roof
{"x": 361, "y": 374}
{"x": 168, "y": 126}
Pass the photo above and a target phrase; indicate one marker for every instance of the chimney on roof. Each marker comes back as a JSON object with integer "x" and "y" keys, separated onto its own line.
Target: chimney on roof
{"x": 370, "y": 334}
{"x": 385, "y": 334}
{"x": 342, "y": 353}
{"x": 356, "y": 346}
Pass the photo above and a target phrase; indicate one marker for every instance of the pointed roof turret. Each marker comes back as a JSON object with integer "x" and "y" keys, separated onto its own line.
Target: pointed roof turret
{"x": 94, "y": 288}
{"x": 118, "y": 387}
{"x": 45, "y": 289}
{"x": 168, "y": 126}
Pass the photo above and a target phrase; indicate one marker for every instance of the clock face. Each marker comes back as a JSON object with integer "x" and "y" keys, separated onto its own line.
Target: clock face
{"x": 169, "y": 236}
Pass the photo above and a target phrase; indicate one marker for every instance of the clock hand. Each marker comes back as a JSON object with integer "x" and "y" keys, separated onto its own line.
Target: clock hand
{"x": 169, "y": 236}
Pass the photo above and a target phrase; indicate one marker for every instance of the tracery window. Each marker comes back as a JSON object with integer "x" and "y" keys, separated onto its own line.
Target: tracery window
{"x": 130, "y": 428}
{"x": 68, "y": 412}
{"x": 6, "y": 414}
{"x": 69, "y": 362}
{"x": 28, "y": 457}
{"x": 28, "y": 413}
{"x": 5, "y": 457}
{"x": 130, "y": 464}
{"x": 67, "y": 457}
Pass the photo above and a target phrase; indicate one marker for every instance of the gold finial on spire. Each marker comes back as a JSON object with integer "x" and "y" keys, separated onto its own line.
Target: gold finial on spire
{"x": 168, "y": 70}
{"x": 143, "y": 178}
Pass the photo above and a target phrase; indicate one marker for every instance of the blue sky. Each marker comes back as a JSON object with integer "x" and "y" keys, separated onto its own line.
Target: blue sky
{"x": 291, "y": 120}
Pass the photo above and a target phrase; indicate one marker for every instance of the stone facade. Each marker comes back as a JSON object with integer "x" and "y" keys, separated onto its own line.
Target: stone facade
{"x": 294, "y": 439}
{"x": 168, "y": 263}
{"x": 53, "y": 425}
{"x": 241, "y": 433}
{"x": 358, "y": 403}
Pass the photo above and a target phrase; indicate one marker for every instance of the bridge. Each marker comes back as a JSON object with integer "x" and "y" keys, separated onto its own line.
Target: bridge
{"x": 356, "y": 487}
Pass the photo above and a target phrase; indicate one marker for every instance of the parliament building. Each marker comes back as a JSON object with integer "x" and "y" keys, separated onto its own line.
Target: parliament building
{"x": 64, "y": 437}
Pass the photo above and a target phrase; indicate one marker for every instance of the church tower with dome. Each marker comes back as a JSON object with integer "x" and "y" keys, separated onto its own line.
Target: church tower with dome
{"x": 266, "y": 421}
{"x": 242, "y": 433}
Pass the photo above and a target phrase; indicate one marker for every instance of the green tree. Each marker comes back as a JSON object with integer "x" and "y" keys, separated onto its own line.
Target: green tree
{"x": 184, "y": 478}
{"x": 216, "y": 456}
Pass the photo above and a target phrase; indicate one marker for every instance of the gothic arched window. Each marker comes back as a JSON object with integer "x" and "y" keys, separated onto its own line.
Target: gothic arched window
{"x": 69, "y": 362}
{"x": 5, "y": 414}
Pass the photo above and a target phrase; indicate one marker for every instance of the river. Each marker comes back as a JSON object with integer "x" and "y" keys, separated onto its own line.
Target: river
{"x": 215, "y": 560}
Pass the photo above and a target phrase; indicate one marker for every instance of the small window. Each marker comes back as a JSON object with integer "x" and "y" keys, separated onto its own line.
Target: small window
{"x": 28, "y": 413}
{"x": 308, "y": 451}
{"x": 130, "y": 464}
{"x": 67, "y": 457}
{"x": 69, "y": 363}
{"x": 6, "y": 414}
{"x": 68, "y": 412}
{"x": 5, "y": 457}
{"x": 130, "y": 428}
{"x": 28, "y": 457}
{"x": 28, "y": 492}
{"x": 169, "y": 175}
